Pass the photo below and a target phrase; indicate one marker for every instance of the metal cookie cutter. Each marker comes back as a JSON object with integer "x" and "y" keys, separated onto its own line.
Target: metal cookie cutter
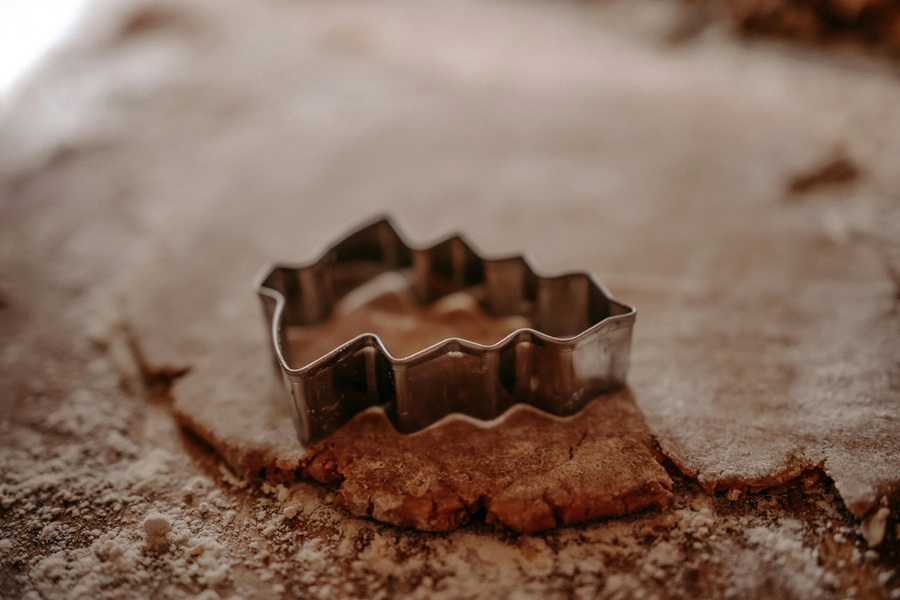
{"x": 579, "y": 346}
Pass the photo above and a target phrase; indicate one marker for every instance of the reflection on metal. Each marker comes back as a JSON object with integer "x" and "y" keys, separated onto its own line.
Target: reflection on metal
{"x": 579, "y": 345}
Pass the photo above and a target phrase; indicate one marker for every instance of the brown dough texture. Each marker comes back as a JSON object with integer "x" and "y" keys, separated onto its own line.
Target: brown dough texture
{"x": 529, "y": 473}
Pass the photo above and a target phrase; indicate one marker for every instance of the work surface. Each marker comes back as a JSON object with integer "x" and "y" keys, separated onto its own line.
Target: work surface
{"x": 151, "y": 167}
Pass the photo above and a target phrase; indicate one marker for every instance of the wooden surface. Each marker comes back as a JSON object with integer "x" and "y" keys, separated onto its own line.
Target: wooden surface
{"x": 151, "y": 167}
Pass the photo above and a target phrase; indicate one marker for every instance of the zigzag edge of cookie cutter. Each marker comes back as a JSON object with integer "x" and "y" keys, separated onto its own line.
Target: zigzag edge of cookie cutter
{"x": 578, "y": 348}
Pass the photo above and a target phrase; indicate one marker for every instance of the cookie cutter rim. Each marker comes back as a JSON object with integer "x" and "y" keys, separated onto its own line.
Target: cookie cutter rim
{"x": 314, "y": 421}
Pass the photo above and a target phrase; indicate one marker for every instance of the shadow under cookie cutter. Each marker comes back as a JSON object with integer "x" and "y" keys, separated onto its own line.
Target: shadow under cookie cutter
{"x": 578, "y": 348}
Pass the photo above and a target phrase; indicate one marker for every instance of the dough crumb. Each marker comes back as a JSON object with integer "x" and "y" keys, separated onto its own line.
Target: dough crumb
{"x": 156, "y": 526}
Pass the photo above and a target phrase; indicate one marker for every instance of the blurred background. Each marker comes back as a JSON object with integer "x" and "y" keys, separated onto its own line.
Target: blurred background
{"x": 28, "y": 30}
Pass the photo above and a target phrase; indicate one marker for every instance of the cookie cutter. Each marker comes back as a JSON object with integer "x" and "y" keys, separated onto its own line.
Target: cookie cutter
{"x": 578, "y": 348}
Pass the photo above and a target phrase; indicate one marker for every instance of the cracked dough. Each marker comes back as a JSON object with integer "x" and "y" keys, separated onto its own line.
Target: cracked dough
{"x": 530, "y": 472}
